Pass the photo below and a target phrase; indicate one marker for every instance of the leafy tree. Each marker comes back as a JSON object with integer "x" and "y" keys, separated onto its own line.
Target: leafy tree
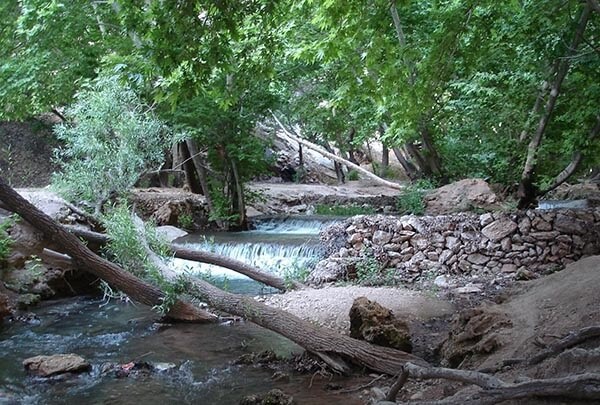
{"x": 49, "y": 47}
{"x": 111, "y": 138}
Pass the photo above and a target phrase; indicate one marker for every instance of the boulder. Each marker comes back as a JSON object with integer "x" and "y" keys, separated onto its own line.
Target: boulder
{"x": 170, "y": 232}
{"x": 473, "y": 333}
{"x": 463, "y": 195}
{"x": 499, "y": 229}
{"x": 5, "y": 308}
{"x": 376, "y": 324}
{"x": 47, "y": 366}
{"x": 332, "y": 269}
{"x": 273, "y": 397}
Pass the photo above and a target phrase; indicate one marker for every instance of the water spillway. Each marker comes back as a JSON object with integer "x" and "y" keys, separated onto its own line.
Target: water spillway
{"x": 276, "y": 245}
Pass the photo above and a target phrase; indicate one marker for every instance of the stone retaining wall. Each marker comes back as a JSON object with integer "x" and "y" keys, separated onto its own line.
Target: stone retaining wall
{"x": 465, "y": 243}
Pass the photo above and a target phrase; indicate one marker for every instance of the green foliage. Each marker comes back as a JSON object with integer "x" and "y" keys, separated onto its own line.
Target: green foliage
{"x": 369, "y": 272}
{"x": 112, "y": 140}
{"x": 48, "y": 48}
{"x": 296, "y": 272}
{"x": 123, "y": 246}
{"x": 353, "y": 175}
{"x": 6, "y": 241}
{"x": 185, "y": 221}
{"x": 412, "y": 200}
{"x": 343, "y": 210}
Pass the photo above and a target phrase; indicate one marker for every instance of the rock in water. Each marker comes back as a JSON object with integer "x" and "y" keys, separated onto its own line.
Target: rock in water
{"x": 5, "y": 308}
{"x": 273, "y": 397}
{"x": 47, "y": 366}
{"x": 376, "y": 324}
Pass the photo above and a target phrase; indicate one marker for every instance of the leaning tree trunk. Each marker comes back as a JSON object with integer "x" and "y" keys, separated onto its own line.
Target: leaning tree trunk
{"x": 202, "y": 178}
{"x": 137, "y": 289}
{"x": 573, "y": 164}
{"x": 334, "y": 157}
{"x": 201, "y": 256}
{"x": 331, "y": 346}
{"x": 528, "y": 192}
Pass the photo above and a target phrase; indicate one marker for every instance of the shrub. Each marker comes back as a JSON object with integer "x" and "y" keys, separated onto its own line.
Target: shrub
{"x": 412, "y": 200}
{"x": 6, "y": 241}
{"x": 110, "y": 140}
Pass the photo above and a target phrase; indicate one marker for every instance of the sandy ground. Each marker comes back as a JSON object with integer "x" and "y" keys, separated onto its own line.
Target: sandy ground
{"x": 330, "y": 306}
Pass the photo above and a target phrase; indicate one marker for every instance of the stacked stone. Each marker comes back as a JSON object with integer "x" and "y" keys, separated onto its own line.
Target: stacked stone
{"x": 464, "y": 243}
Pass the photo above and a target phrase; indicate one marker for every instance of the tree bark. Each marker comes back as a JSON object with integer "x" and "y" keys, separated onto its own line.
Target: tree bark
{"x": 137, "y": 289}
{"x": 334, "y": 157}
{"x": 202, "y": 177}
{"x": 330, "y": 346}
{"x": 409, "y": 168}
{"x": 189, "y": 170}
{"x": 573, "y": 164}
{"x": 385, "y": 158}
{"x": 527, "y": 192}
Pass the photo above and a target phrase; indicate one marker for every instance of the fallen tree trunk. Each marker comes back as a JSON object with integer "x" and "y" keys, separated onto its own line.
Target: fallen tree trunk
{"x": 204, "y": 257}
{"x": 136, "y": 288}
{"x": 338, "y": 159}
{"x": 330, "y": 346}
{"x": 582, "y": 386}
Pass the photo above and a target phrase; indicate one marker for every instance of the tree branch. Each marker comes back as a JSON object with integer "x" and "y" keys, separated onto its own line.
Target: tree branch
{"x": 336, "y": 158}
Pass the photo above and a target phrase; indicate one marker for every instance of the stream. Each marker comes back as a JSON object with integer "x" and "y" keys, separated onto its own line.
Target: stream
{"x": 118, "y": 332}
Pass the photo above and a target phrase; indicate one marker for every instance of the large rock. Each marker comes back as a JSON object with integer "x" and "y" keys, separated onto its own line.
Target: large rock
{"x": 376, "y": 324}
{"x": 273, "y": 397}
{"x": 47, "y": 366}
{"x": 473, "y": 333}
{"x": 332, "y": 269}
{"x": 5, "y": 308}
{"x": 499, "y": 229}
{"x": 463, "y": 195}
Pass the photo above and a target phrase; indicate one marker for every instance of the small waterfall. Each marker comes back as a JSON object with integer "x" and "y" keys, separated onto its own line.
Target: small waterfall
{"x": 278, "y": 246}
{"x": 292, "y": 225}
{"x": 562, "y": 204}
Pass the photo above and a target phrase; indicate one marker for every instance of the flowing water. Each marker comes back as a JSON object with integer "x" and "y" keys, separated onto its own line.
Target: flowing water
{"x": 279, "y": 246}
{"x": 118, "y": 332}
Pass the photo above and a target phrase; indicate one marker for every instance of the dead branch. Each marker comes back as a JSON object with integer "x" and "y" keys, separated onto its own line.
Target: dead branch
{"x": 494, "y": 390}
{"x": 336, "y": 158}
{"x": 572, "y": 339}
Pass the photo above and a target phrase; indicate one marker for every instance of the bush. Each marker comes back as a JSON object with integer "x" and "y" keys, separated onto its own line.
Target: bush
{"x": 110, "y": 140}
{"x": 6, "y": 241}
{"x": 412, "y": 201}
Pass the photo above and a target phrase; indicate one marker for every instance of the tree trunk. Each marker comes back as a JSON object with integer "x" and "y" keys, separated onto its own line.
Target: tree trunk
{"x": 337, "y": 164}
{"x": 239, "y": 202}
{"x": 202, "y": 177}
{"x": 84, "y": 258}
{"x": 189, "y": 170}
{"x": 409, "y": 168}
{"x": 334, "y": 157}
{"x": 432, "y": 158}
{"x": 331, "y": 346}
{"x": 573, "y": 164}
{"x": 527, "y": 192}
{"x": 99, "y": 240}
{"x": 163, "y": 174}
{"x": 385, "y": 159}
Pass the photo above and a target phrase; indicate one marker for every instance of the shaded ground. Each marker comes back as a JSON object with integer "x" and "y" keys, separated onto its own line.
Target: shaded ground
{"x": 26, "y": 153}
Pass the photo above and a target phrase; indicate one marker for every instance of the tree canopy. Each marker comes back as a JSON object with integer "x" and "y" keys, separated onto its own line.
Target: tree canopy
{"x": 465, "y": 88}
